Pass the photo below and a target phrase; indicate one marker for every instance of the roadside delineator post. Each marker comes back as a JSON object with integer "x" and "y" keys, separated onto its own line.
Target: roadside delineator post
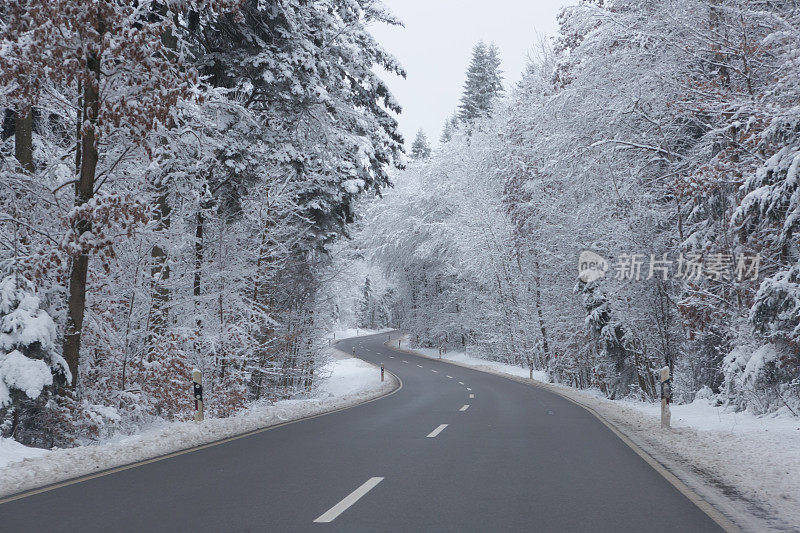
{"x": 381, "y": 371}
{"x": 398, "y": 343}
{"x": 197, "y": 390}
{"x": 530, "y": 368}
{"x": 354, "y": 350}
{"x": 666, "y": 396}
{"x": 440, "y": 352}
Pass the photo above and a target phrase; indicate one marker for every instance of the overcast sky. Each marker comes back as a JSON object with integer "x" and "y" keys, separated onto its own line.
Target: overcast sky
{"x": 436, "y": 44}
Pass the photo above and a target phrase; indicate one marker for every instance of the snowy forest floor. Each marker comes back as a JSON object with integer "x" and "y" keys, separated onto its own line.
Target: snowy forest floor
{"x": 350, "y": 381}
{"x": 745, "y": 466}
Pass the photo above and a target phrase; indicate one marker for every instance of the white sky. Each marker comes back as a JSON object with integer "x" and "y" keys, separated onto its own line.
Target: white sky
{"x": 436, "y": 44}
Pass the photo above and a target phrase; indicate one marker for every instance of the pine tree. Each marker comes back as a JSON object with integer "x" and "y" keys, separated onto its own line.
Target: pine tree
{"x": 449, "y": 128}
{"x": 484, "y": 83}
{"x": 366, "y": 314}
{"x": 773, "y": 201}
{"x": 420, "y": 149}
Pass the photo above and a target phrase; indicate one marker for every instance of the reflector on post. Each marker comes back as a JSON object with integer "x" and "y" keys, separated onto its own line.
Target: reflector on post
{"x": 197, "y": 392}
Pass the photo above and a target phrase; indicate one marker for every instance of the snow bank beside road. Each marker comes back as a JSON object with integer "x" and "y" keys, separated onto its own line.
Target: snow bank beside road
{"x": 482, "y": 364}
{"x": 12, "y": 451}
{"x": 353, "y": 332}
{"x": 747, "y": 467}
{"x": 350, "y": 382}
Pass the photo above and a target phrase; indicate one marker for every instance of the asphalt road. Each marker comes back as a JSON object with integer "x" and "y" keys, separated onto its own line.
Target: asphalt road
{"x": 518, "y": 458}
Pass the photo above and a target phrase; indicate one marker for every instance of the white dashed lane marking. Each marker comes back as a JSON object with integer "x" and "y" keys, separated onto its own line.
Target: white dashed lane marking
{"x": 464, "y": 408}
{"x": 436, "y": 431}
{"x": 331, "y": 514}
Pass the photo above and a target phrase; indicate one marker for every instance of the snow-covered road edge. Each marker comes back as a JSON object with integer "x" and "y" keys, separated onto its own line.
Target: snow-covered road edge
{"x": 712, "y": 464}
{"x": 167, "y": 439}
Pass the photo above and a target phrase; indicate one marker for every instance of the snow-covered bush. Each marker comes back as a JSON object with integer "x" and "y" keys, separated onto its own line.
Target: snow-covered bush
{"x": 762, "y": 380}
{"x": 30, "y": 367}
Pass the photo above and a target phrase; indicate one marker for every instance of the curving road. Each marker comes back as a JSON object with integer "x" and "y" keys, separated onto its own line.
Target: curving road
{"x": 518, "y": 458}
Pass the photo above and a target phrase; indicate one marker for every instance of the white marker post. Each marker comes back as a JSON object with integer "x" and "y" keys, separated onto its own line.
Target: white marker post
{"x": 666, "y": 396}
{"x": 197, "y": 389}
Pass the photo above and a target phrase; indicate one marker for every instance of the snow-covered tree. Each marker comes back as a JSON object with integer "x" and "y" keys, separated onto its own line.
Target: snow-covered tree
{"x": 30, "y": 366}
{"x": 420, "y": 148}
{"x": 484, "y": 83}
{"x": 450, "y": 126}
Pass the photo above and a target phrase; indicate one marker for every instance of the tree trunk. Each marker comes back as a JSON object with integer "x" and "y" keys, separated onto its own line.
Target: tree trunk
{"x": 540, "y": 314}
{"x": 198, "y": 254}
{"x": 23, "y": 138}
{"x": 84, "y": 190}
{"x": 159, "y": 271}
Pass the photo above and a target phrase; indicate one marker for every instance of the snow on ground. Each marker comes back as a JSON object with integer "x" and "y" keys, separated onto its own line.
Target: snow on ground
{"x": 350, "y": 381}
{"x": 12, "y": 451}
{"x": 353, "y": 332}
{"x": 348, "y": 375}
{"x": 482, "y": 364}
{"x": 747, "y": 467}
{"x": 742, "y": 464}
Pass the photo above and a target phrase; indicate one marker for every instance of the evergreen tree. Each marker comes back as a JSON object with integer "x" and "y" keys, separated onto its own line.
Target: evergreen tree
{"x": 366, "y": 312}
{"x": 450, "y": 126}
{"x": 421, "y": 148}
{"x": 30, "y": 366}
{"x": 484, "y": 83}
{"x": 306, "y": 69}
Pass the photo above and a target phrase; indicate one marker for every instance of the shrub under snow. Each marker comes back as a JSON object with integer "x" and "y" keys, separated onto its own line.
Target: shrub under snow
{"x": 30, "y": 367}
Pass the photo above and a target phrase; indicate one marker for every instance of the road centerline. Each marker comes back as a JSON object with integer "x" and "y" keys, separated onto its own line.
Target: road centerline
{"x": 464, "y": 408}
{"x": 436, "y": 431}
{"x": 331, "y": 514}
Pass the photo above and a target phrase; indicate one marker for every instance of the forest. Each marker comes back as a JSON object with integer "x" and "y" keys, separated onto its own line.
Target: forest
{"x": 204, "y": 183}
{"x": 172, "y": 174}
{"x": 662, "y": 139}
